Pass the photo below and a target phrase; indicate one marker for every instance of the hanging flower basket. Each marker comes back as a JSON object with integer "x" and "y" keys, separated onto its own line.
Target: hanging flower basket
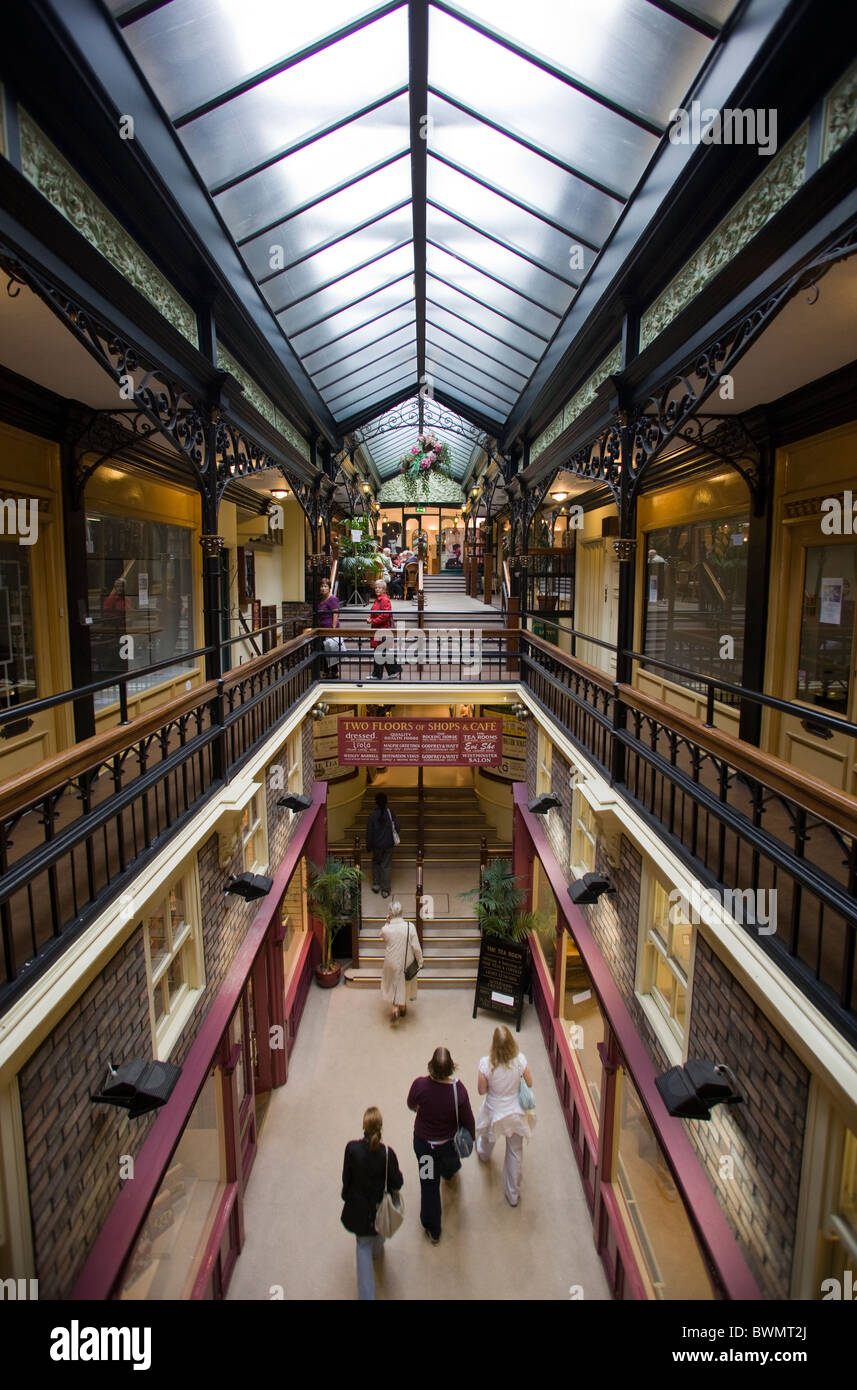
{"x": 427, "y": 456}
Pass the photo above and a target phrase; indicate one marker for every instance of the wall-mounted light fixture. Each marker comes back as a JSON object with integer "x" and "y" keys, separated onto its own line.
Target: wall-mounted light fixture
{"x": 366, "y": 487}
{"x": 295, "y": 802}
{"x": 588, "y": 889}
{"x": 138, "y": 1087}
{"x": 520, "y": 712}
{"x": 249, "y": 886}
{"x": 691, "y": 1092}
{"x": 278, "y": 493}
{"x": 321, "y": 710}
{"x": 540, "y": 805}
{"x": 558, "y": 496}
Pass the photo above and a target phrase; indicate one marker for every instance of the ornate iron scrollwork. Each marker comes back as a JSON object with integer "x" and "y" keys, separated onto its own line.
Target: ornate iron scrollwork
{"x": 434, "y": 416}
{"x": 600, "y": 461}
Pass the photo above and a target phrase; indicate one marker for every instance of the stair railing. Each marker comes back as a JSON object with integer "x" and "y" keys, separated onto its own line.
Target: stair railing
{"x": 418, "y": 915}
{"x": 421, "y": 597}
{"x": 357, "y": 919}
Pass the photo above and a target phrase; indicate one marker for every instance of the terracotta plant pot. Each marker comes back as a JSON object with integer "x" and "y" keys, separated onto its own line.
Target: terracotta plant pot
{"x": 328, "y": 978}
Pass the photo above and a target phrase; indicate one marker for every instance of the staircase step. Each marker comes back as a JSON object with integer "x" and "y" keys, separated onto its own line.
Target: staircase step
{"x": 429, "y": 978}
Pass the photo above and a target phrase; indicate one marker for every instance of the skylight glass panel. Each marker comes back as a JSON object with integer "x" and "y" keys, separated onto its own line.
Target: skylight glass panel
{"x": 301, "y": 102}
{"x": 308, "y": 231}
{"x": 350, "y": 289}
{"x": 472, "y": 336}
{"x": 341, "y": 259}
{"x": 322, "y": 356}
{"x": 529, "y": 178}
{"x": 502, "y": 330}
{"x": 356, "y": 361}
{"x": 479, "y": 405}
{"x": 194, "y": 50}
{"x": 523, "y": 231}
{"x": 588, "y": 137}
{"x": 460, "y": 386}
{"x": 381, "y": 382}
{"x": 437, "y": 357}
{"x": 600, "y": 45}
{"x": 495, "y": 260}
{"x": 361, "y": 401}
{"x": 463, "y": 354}
{"x": 506, "y": 301}
{"x": 394, "y": 362}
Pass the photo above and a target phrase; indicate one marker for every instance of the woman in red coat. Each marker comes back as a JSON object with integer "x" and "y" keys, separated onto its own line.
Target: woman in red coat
{"x": 381, "y": 617}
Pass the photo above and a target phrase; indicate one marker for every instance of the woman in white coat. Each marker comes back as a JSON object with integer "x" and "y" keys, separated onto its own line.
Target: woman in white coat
{"x": 501, "y": 1112}
{"x": 401, "y": 945}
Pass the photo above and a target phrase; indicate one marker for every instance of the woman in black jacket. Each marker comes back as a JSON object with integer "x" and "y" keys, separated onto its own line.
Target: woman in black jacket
{"x": 366, "y": 1161}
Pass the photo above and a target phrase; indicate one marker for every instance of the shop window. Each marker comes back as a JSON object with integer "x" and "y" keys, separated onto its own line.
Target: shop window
{"x": 654, "y": 1213}
{"x": 295, "y": 762}
{"x": 583, "y": 837}
{"x": 166, "y": 1257}
{"x": 544, "y": 908}
{"x": 543, "y": 768}
{"x": 293, "y": 918}
{"x": 140, "y": 576}
{"x": 172, "y": 940}
{"x": 254, "y": 834}
{"x": 827, "y": 627}
{"x": 664, "y": 968}
{"x": 583, "y": 1023}
{"x": 17, "y": 657}
{"x": 696, "y": 584}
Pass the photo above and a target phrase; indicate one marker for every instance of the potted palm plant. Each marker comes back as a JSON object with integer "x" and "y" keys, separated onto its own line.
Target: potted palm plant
{"x": 499, "y": 903}
{"x": 333, "y": 893}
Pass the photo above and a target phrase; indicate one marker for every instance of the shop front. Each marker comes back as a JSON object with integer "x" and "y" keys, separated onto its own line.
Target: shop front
{"x": 176, "y": 1231}
{"x": 657, "y": 1224}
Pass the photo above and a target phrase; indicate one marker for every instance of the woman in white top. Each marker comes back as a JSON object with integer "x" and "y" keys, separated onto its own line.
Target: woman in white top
{"x": 401, "y": 945}
{"x": 501, "y": 1112}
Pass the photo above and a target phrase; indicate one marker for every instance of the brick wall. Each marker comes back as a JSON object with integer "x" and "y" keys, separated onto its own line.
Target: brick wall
{"x": 764, "y": 1136}
{"x": 73, "y": 1147}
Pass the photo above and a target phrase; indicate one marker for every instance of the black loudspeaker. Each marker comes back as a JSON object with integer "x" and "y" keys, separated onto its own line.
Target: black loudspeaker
{"x": 250, "y": 886}
{"x": 139, "y": 1087}
{"x": 679, "y": 1096}
{"x": 709, "y": 1082}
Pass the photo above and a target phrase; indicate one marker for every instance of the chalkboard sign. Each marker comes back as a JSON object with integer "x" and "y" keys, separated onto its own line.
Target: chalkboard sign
{"x": 502, "y": 978}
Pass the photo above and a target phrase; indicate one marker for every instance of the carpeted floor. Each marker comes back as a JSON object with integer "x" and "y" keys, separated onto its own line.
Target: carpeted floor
{"x": 349, "y": 1056}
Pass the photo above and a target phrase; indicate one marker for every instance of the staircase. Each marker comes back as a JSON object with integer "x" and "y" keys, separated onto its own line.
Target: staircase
{"x": 447, "y": 582}
{"x": 453, "y": 829}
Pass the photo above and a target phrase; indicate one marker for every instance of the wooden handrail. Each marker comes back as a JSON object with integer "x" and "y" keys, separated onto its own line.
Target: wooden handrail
{"x": 507, "y": 578}
{"x": 334, "y": 575}
{"x": 257, "y": 663}
{"x": 582, "y": 668}
{"x": 814, "y": 795}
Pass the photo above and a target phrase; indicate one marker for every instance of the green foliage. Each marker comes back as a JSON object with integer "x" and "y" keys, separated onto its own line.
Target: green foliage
{"x": 334, "y": 893}
{"x": 499, "y": 903}
{"x": 359, "y": 561}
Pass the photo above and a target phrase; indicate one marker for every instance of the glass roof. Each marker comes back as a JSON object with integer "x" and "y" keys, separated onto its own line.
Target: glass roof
{"x": 419, "y": 200}
{"x": 392, "y": 433}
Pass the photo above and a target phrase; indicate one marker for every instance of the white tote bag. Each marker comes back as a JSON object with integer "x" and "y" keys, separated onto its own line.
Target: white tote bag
{"x": 390, "y": 1211}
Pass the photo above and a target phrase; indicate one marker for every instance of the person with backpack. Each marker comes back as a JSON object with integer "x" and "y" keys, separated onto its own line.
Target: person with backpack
{"x": 382, "y": 835}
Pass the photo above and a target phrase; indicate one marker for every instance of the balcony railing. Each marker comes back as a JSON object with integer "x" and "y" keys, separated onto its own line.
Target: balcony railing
{"x": 76, "y": 830}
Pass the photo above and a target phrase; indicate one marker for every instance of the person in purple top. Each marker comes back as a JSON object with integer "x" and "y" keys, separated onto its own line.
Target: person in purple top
{"x": 327, "y": 615}
{"x": 434, "y": 1130}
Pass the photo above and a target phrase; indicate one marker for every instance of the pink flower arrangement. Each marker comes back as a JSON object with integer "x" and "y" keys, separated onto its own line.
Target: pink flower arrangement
{"x": 415, "y": 449}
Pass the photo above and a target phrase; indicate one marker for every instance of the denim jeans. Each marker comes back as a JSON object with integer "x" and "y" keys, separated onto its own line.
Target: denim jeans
{"x": 444, "y": 1164}
{"x": 368, "y": 1249}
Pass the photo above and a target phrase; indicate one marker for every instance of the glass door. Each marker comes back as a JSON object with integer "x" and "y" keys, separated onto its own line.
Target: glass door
{"x": 821, "y": 655}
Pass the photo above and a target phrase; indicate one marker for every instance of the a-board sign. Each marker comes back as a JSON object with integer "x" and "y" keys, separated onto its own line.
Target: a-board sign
{"x": 411, "y": 742}
{"x": 502, "y": 978}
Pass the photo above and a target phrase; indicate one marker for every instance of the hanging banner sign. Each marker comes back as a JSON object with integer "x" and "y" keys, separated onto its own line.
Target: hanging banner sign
{"x": 411, "y": 742}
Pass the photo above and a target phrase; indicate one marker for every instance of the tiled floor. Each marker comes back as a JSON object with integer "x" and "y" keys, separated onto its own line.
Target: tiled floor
{"x": 349, "y": 1056}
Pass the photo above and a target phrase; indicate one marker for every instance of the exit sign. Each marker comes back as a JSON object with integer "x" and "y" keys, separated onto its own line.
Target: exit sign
{"x": 419, "y": 510}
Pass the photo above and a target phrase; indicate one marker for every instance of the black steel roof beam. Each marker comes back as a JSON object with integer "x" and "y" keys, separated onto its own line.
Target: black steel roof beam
{"x": 708, "y": 28}
{"x": 141, "y": 11}
{"x": 491, "y": 309}
{"x": 351, "y": 304}
{"x": 505, "y": 245}
{"x": 338, "y": 279}
{"x": 516, "y": 202}
{"x": 418, "y": 38}
{"x": 305, "y": 143}
{"x": 528, "y": 145}
{"x": 633, "y": 117}
{"x": 486, "y": 331}
{"x": 334, "y": 241}
{"x": 497, "y": 279}
{"x": 316, "y": 202}
{"x": 284, "y": 64}
{"x": 378, "y": 408}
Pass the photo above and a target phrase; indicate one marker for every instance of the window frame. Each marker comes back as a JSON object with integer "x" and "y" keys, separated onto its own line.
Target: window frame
{"x": 257, "y": 831}
{"x": 186, "y": 947}
{"x": 544, "y": 763}
{"x": 654, "y": 949}
{"x": 581, "y": 809}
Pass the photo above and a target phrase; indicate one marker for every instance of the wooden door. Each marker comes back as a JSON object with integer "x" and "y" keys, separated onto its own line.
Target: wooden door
{"x": 819, "y": 654}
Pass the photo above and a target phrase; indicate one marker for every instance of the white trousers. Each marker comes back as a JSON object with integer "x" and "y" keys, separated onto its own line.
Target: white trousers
{"x": 512, "y": 1165}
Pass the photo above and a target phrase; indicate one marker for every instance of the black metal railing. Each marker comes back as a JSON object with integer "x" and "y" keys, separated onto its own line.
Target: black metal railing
{"x": 77, "y": 829}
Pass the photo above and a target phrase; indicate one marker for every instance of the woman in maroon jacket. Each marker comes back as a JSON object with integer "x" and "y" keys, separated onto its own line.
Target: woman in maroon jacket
{"x": 381, "y": 617}
{"x": 434, "y": 1130}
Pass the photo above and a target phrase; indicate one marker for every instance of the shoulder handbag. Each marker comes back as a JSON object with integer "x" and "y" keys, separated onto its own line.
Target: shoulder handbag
{"x": 463, "y": 1139}
{"x": 393, "y": 827}
{"x": 526, "y": 1097}
{"x": 414, "y": 967}
{"x": 390, "y": 1211}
